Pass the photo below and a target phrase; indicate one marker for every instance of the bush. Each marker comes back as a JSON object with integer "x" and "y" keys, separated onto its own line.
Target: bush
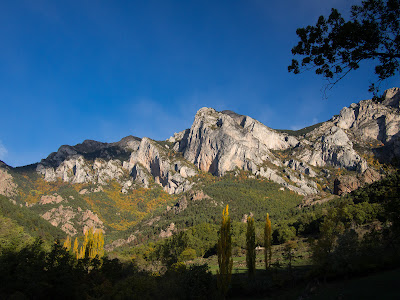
{"x": 283, "y": 234}
{"x": 188, "y": 254}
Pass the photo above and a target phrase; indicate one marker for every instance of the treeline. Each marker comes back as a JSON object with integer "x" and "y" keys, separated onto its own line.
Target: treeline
{"x": 27, "y": 221}
{"x": 36, "y": 273}
{"x": 352, "y": 235}
{"x": 356, "y": 210}
{"x": 244, "y": 195}
{"x": 362, "y": 231}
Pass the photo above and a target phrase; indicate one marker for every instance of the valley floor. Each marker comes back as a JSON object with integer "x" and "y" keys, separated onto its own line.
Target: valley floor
{"x": 380, "y": 285}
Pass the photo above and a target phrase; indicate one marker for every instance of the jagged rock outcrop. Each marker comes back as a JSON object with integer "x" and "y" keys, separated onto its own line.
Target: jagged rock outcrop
{"x": 219, "y": 142}
{"x": 91, "y": 161}
{"x": 301, "y": 167}
{"x": 7, "y": 186}
{"x": 50, "y": 199}
{"x": 167, "y": 169}
{"x": 347, "y": 183}
{"x": 76, "y": 169}
{"x": 67, "y": 219}
{"x": 88, "y": 219}
{"x": 329, "y": 145}
{"x": 62, "y": 216}
{"x": 168, "y": 231}
{"x": 95, "y": 162}
{"x": 179, "y": 206}
{"x": 119, "y": 243}
{"x": 305, "y": 162}
{"x": 90, "y": 149}
{"x": 392, "y": 97}
{"x": 370, "y": 120}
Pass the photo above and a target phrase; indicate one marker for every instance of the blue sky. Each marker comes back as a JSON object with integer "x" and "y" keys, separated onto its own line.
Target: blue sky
{"x": 102, "y": 70}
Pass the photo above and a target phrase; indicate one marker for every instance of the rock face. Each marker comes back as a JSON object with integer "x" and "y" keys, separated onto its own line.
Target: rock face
{"x": 369, "y": 120}
{"x": 90, "y": 161}
{"x": 168, "y": 231}
{"x": 119, "y": 243}
{"x": 75, "y": 169}
{"x": 219, "y": 142}
{"x": 50, "y": 199}
{"x": 222, "y": 141}
{"x": 356, "y": 141}
{"x": 95, "y": 162}
{"x": 346, "y": 184}
{"x": 167, "y": 168}
{"x": 66, "y": 218}
{"x": 329, "y": 145}
{"x": 392, "y": 98}
{"x": 7, "y": 186}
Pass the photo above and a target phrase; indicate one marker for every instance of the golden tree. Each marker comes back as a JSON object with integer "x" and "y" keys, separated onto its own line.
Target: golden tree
{"x": 93, "y": 244}
{"x": 75, "y": 249}
{"x": 251, "y": 246}
{"x": 67, "y": 243}
{"x": 224, "y": 249}
{"x": 267, "y": 242}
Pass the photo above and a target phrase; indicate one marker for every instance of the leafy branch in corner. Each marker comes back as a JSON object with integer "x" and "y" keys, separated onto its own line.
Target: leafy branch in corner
{"x": 334, "y": 47}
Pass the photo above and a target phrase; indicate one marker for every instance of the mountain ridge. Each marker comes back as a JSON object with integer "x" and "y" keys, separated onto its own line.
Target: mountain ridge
{"x": 79, "y": 186}
{"x": 218, "y": 142}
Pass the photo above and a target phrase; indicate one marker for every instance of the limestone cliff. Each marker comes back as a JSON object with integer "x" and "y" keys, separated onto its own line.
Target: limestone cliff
{"x": 128, "y": 161}
{"x": 222, "y": 141}
{"x": 166, "y": 167}
{"x": 219, "y": 142}
{"x": 7, "y": 186}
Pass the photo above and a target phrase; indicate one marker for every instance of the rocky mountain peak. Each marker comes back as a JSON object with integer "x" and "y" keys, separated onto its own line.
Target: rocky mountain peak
{"x": 370, "y": 120}
{"x": 7, "y": 185}
{"x": 219, "y": 142}
{"x": 392, "y": 97}
{"x": 3, "y": 164}
{"x": 129, "y": 143}
{"x": 88, "y": 146}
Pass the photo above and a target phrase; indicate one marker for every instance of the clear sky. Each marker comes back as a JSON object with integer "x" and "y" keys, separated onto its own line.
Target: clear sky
{"x": 102, "y": 70}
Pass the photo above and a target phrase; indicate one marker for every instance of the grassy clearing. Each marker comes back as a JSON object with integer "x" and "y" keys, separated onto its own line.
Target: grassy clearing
{"x": 301, "y": 259}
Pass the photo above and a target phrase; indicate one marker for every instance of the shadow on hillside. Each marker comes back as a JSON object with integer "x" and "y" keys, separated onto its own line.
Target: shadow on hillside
{"x": 390, "y": 152}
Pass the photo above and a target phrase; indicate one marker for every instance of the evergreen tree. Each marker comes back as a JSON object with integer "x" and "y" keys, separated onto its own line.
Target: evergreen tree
{"x": 173, "y": 248}
{"x": 267, "y": 242}
{"x": 251, "y": 247}
{"x": 224, "y": 249}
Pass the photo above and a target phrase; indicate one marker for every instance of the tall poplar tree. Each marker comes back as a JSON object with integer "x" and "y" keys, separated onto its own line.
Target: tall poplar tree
{"x": 93, "y": 244}
{"x": 267, "y": 242}
{"x": 75, "y": 249}
{"x": 67, "y": 243}
{"x": 251, "y": 247}
{"x": 224, "y": 249}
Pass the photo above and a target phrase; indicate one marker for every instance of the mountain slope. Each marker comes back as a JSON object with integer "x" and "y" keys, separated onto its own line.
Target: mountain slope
{"x": 120, "y": 186}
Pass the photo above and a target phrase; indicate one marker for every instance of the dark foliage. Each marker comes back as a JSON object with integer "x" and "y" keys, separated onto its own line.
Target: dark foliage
{"x": 35, "y": 273}
{"x": 32, "y": 223}
{"x": 334, "y": 46}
